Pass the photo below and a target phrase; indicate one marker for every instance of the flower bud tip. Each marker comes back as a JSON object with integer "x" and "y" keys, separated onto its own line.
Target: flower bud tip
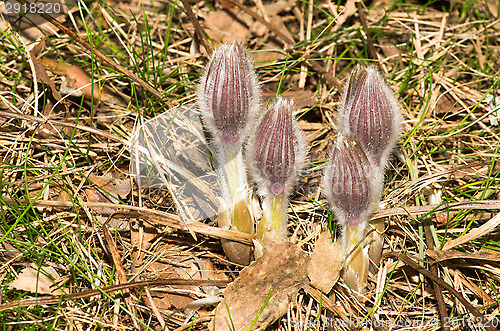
{"x": 369, "y": 111}
{"x": 228, "y": 95}
{"x": 350, "y": 182}
{"x": 277, "y": 150}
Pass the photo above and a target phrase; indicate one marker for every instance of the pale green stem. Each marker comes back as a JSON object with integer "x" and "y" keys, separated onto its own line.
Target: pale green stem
{"x": 234, "y": 186}
{"x": 273, "y": 223}
{"x": 356, "y": 266}
{"x": 234, "y": 172}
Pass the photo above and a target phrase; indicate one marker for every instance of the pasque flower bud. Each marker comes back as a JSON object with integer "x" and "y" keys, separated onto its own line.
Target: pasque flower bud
{"x": 277, "y": 150}
{"x": 228, "y": 99}
{"x": 228, "y": 95}
{"x": 369, "y": 111}
{"x": 352, "y": 188}
{"x": 369, "y": 124}
{"x": 350, "y": 184}
{"x": 276, "y": 155}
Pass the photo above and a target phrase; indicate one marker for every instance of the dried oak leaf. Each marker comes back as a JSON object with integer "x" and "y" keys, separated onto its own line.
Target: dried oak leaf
{"x": 326, "y": 262}
{"x": 268, "y": 284}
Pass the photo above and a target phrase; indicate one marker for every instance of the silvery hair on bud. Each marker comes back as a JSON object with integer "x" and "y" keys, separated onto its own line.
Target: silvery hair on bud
{"x": 349, "y": 183}
{"x": 277, "y": 150}
{"x": 370, "y": 112}
{"x": 228, "y": 94}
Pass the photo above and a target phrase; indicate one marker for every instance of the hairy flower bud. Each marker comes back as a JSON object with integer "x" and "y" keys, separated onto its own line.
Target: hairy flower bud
{"x": 228, "y": 95}
{"x": 277, "y": 150}
{"x": 369, "y": 111}
{"x": 350, "y": 184}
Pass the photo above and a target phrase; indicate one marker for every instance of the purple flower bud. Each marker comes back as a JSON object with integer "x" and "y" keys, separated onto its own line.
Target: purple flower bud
{"x": 277, "y": 150}
{"x": 350, "y": 184}
{"x": 228, "y": 95}
{"x": 370, "y": 112}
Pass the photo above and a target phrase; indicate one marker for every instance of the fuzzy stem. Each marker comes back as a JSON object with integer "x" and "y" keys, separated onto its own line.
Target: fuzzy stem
{"x": 357, "y": 264}
{"x": 272, "y": 225}
{"x": 234, "y": 186}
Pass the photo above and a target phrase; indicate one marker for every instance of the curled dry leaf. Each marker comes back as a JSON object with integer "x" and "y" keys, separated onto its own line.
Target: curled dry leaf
{"x": 37, "y": 280}
{"x": 269, "y": 283}
{"x": 41, "y": 74}
{"x": 376, "y": 241}
{"x": 76, "y": 82}
{"x": 326, "y": 262}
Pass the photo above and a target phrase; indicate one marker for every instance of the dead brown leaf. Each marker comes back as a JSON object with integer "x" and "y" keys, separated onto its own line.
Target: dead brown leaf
{"x": 446, "y": 105}
{"x": 41, "y": 73}
{"x": 223, "y": 27}
{"x": 165, "y": 300}
{"x": 113, "y": 188}
{"x": 269, "y": 283}
{"x": 326, "y": 262}
{"x": 266, "y": 55}
{"x": 302, "y": 98}
{"x": 36, "y": 280}
{"x": 259, "y": 29}
{"x": 8, "y": 252}
{"x": 76, "y": 81}
{"x": 493, "y": 7}
{"x": 112, "y": 185}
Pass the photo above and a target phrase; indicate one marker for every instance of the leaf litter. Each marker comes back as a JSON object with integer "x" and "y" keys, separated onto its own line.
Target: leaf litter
{"x": 37, "y": 280}
{"x": 327, "y": 260}
{"x": 265, "y": 288}
{"x": 434, "y": 157}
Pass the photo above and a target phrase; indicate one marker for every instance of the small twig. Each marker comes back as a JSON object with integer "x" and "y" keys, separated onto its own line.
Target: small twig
{"x": 154, "y": 216}
{"x": 115, "y": 255}
{"x": 328, "y": 303}
{"x": 200, "y": 33}
{"x": 329, "y": 77}
{"x": 122, "y": 277}
{"x": 36, "y": 119}
{"x": 155, "y": 309}
{"x": 57, "y": 299}
{"x": 372, "y": 53}
{"x": 434, "y": 269}
{"x": 197, "y": 227}
{"x": 417, "y": 267}
{"x": 481, "y": 204}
